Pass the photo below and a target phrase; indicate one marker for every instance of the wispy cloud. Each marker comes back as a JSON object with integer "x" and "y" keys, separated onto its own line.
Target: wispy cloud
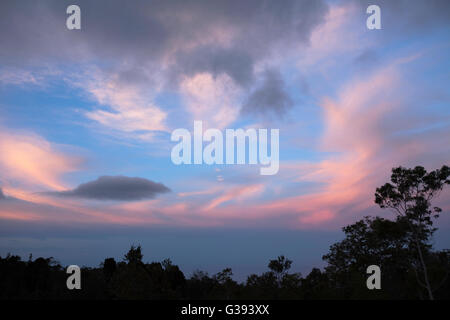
{"x": 211, "y": 99}
{"x": 124, "y": 107}
{"x": 30, "y": 160}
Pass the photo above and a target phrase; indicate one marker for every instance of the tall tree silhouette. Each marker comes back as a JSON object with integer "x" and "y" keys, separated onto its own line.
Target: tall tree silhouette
{"x": 370, "y": 241}
{"x": 410, "y": 194}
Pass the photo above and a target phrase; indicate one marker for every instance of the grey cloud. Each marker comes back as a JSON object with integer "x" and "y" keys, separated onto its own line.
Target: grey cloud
{"x": 116, "y": 188}
{"x": 238, "y": 65}
{"x": 142, "y": 33}
{"x": 2, "y": 196}
{"x": 270, "y": 97}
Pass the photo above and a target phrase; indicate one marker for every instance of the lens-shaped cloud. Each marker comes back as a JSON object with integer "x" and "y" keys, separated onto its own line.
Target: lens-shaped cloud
{"x": 119, "y": 188}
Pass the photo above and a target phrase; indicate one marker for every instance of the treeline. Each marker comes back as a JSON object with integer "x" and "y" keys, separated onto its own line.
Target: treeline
{"x": 410, "y": 267}
{"x": 133, "y": 279}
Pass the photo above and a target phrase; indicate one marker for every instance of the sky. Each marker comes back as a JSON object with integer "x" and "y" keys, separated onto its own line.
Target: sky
{"x": 86, "y": 118}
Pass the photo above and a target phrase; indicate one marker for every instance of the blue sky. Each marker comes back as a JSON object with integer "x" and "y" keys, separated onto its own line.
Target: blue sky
{"x": 77, "y": 105}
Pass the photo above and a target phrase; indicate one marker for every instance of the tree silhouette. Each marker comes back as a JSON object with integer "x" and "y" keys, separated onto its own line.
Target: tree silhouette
{"x": 410, "y": 194}
{"x": 134, "y": 255}
{"x": 279, "y": 267}
{"x": 369, "y": 241}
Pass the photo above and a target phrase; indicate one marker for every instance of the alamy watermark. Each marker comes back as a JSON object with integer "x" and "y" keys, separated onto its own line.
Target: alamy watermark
{"x": 74, "y": 280}
{"x": 73, "y": 21}
{"x": 193, "y": 151}
{"x": 374, "y": 281}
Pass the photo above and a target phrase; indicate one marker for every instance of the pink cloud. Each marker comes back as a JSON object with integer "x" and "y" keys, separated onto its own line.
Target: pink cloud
{"x": 365, "y": 149}
{"x": 30, "y": 160}
{"x": 236, "y": 194}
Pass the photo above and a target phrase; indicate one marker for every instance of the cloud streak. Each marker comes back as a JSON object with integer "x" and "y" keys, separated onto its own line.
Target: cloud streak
{"x": 130, "y": 109}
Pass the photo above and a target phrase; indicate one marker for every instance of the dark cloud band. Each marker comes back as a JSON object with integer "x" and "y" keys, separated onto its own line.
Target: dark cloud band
{"x": 119, "y": 188}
